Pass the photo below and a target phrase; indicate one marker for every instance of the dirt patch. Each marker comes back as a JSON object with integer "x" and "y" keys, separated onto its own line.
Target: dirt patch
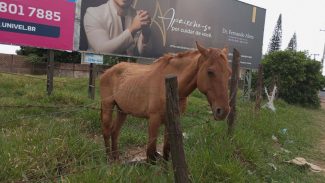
{"x": 138, "y": 154}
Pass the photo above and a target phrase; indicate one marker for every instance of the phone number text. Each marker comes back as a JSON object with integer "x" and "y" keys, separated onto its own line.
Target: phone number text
{"x": 17, "y": 9}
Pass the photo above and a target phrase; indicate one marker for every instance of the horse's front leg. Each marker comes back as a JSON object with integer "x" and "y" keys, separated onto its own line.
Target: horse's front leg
{"x": 154, "y": 124}
{"x": 166, "y": 148}
{"x": 106, "y": 119}
{"x": 120, "y": 118}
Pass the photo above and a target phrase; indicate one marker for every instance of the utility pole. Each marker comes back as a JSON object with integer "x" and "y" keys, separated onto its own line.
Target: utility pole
{"x": 323, "y": 57}
{"x": 314, "y": 54}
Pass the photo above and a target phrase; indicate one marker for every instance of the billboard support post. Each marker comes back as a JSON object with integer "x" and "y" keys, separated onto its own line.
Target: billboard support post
{"x": 92, "y": 81}
{"x": 50, "y": 71}
{"x": 12, "y": 63}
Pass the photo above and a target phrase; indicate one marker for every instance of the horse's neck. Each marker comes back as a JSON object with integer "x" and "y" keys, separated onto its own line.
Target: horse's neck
{"x": 186, "y": 69}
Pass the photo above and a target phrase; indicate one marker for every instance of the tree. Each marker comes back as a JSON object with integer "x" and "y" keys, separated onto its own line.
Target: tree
{"x": 292, "y": 46}
{"x": 276, "y": 39}
{"x": 299, "y": 77}
{"x": 40, "y": 55}
{"x": 24, "y": 50}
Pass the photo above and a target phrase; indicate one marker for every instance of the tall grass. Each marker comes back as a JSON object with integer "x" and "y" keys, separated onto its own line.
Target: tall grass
{"x": 65, "y": 144}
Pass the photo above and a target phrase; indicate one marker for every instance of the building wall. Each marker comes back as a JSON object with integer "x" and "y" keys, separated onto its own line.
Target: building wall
{"x": 19, "y": 64}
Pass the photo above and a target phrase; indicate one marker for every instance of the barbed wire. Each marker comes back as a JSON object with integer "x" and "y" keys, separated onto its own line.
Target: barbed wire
{"x": 71, "y": 106}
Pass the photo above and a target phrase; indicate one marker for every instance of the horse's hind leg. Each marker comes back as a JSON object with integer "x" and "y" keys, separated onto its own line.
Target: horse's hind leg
{"x": 106, "y": 116}
{"x": 120, "y": 118}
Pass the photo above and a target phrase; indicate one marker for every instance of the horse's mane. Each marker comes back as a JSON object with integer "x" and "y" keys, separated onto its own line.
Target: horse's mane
{"x": 169, "y": 56}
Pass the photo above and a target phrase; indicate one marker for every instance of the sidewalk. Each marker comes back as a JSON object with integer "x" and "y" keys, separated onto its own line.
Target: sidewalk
{"x": 322, "y": 99}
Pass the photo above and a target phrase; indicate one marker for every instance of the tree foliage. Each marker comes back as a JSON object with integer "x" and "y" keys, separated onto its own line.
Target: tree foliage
{"x": 276, "y": 40}
{"x": 40, "y": 55}
{"x": 299, "y": 78}
{"x": 292, "y": 46}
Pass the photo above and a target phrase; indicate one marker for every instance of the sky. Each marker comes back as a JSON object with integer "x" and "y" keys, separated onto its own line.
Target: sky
{"x": 306, "y": 18}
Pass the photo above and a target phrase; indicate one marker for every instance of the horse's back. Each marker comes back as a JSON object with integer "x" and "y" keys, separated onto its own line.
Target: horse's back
{"x": 122, "y": 71}
{"x": 130, "y": 86}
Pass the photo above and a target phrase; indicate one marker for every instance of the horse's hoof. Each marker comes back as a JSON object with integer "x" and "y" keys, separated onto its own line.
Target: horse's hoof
{"x": 158, "y": 155}
{"x": 166, "y": 157}
{"x": 152, "y": 159}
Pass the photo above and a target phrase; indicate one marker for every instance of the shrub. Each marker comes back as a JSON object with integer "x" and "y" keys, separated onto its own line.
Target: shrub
{"x": 35, "y": 58}
{"x": 298, "y": 77}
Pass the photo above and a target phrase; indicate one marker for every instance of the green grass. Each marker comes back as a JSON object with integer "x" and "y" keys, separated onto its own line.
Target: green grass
{"x": 40, "y": 144}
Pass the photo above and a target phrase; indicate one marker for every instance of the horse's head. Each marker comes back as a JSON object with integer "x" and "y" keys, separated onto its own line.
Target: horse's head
{"x": 212, "y": 79}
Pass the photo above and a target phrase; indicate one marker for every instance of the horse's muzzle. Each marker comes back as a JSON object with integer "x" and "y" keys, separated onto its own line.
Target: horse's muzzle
{"x": 220, "y": 113}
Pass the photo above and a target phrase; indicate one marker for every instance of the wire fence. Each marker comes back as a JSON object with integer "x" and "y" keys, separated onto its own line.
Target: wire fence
{"x": 62, "y": 169}
{"x": 57, "y": 80}
{"x": 28, "y": 76}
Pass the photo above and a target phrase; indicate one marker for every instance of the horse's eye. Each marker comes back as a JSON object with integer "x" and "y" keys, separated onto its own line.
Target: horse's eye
{"x": 210, "y": 72}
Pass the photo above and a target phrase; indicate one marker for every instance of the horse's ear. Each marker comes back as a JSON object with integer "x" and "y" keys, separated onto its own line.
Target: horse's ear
{"x": 225, "y": 50}
{"x": 201, "y": 49}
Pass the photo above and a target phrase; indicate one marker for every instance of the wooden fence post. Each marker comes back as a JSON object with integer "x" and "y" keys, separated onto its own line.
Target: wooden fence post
{"x": 50, "y": 72}
{"x": 233, "y": 91}
{"x": 174, "y": 132}
{"x": 92, "y": 81}
{"x": 259, "y": 89}
{"x": 12, "y": 63}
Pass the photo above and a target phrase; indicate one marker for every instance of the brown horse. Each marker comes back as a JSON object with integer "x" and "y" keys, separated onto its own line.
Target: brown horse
{"x": 139, "y": 90}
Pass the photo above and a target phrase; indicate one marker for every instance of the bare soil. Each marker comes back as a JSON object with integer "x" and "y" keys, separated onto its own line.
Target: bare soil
{"x": 138, "y": 154}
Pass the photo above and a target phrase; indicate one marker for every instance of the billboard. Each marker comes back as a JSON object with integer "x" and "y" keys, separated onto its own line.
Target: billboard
{"x": 174, "y": 26}
{"x": 45, "y": 23}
